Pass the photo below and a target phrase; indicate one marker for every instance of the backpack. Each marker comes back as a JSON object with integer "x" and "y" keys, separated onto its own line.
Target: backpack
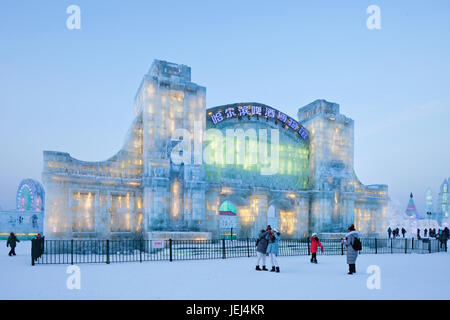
{"x": 357, "y": 245}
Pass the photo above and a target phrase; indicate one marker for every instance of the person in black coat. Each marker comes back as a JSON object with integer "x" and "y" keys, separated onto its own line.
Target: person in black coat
{"x": 445, "y": 236}
{"x": 403, "y": 232}
{"x": 389, "y": 232}
{"x": 12, "y": 242}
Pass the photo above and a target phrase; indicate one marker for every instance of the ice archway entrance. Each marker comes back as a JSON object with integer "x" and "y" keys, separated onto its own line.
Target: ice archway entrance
{"x": 228, "y": 220}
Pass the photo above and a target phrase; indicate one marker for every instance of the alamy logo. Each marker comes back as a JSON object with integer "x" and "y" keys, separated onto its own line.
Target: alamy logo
{"x": 374, "y": 20}
{"x": 74, "y": 280}
{"x": 374, "y": 280}
{"x": 74, "y": 20}
{"x": 237, "y": 147}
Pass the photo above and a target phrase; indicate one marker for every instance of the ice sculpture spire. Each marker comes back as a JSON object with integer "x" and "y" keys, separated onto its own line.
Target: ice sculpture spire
{"x": 411, "y": 210}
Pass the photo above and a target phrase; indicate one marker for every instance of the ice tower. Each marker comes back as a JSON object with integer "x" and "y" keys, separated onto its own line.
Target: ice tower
{"x": 169, "y": 102}
{"x": 411, "y": 210}
{"x": 338, "y": 198}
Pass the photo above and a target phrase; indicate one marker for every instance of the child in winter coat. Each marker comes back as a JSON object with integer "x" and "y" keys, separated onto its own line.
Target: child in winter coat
{"x": 315, "y": 242}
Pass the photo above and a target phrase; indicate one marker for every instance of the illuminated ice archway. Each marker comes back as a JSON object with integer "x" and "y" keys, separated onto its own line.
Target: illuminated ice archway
{"x": 30, "y": 196}
{"x": 228, "y": 220}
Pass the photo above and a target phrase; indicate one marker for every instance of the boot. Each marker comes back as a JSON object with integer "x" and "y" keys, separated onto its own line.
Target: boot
{"x": 350, "y": 269}
{"x": 278, "y": 270}
{"x": 264, "y": 268}
{"x": 273, "y": 269}
{"x": 258, "y": 268}
{"x": 354, "y": 268}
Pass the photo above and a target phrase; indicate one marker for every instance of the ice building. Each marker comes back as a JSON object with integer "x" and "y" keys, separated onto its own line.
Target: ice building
{"x": 429, "y": 201}
{"x": 227, "y": 169}
{"x": 27, "y": 219}
{"x": 443, "y": 202}
{"x": 411, "y": 210}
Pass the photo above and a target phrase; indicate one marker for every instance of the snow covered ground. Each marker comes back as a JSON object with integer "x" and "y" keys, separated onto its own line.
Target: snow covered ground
{"x": 412, "y": 276}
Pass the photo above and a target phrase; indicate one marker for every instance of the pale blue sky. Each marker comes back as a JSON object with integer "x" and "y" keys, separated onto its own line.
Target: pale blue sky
{"x": 72, "y": 90}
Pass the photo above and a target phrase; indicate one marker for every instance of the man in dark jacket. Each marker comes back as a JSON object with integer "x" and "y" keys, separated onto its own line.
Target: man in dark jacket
{"x": 12, "y": 242}
{"x": 389, "y": 232}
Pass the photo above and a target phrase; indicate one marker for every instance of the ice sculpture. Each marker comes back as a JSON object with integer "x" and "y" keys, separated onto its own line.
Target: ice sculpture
{"x": 143, "y": 188}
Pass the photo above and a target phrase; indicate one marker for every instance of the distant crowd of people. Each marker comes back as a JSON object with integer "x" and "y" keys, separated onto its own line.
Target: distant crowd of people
{"x": 267, "y": 245}
{"x": 442, "y": 234}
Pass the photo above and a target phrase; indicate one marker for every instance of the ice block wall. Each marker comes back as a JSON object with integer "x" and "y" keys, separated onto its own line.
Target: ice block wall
{"x": 169, "y": 101}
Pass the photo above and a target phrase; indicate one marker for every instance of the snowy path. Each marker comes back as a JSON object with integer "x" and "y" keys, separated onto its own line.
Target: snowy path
{"x": 411, "y": 276}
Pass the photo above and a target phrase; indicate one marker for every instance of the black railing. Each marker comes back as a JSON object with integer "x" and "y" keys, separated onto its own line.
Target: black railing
{"x": 112, "y": 251}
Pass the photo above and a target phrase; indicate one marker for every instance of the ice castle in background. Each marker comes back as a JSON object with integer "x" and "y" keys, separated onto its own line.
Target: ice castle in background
{"x": 444, "y": 200}
{"x": 141, "y": 191}
{"x": 411, "y": 219}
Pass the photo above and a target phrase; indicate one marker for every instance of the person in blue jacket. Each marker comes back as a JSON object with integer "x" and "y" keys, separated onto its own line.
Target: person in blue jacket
{"x": 272, "y": 249}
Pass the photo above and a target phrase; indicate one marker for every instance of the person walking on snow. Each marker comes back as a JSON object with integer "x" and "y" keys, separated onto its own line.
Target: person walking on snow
{"x": 261, "y": 249}
{"x": 403, "y": 232}
{"x": 12, "y": 242}
{"x": 350, "y": 239}
{"x": 445, "y": 236}
{"x": 272, "y": 249}
{"x": 314, "y": 243}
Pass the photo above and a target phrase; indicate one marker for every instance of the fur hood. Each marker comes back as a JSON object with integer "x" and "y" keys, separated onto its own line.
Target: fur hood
{"x": 354, "y": 232}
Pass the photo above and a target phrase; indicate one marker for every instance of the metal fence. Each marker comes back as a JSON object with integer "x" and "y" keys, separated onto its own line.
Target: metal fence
{"x": 111, "y": 251}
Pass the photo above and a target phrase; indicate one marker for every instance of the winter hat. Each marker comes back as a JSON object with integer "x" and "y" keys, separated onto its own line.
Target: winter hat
{"x": 11, "y": 234}
{"x": 314, "y": 234}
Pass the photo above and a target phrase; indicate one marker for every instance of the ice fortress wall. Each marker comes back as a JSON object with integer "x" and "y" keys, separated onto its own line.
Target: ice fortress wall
{"x": 140, "y": 190}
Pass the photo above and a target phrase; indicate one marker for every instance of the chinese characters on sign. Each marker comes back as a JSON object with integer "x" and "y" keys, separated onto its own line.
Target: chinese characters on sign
{"x": 257, "y": 110}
